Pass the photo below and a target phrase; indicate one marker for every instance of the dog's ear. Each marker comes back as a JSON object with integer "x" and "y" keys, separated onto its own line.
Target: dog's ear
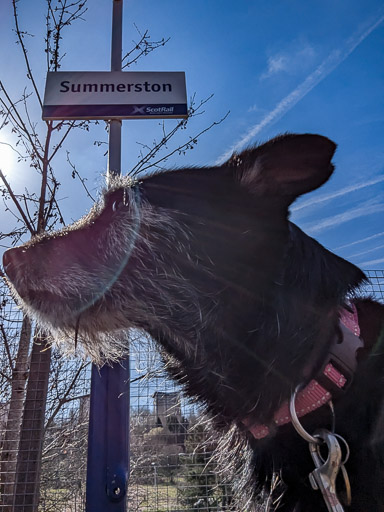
{"x": 287, "y": 166}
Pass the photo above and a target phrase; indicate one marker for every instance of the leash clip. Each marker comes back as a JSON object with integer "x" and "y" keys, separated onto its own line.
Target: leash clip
{"x": 325, "y": 474}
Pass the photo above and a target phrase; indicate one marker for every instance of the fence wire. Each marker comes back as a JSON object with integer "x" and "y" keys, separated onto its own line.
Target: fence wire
{"x": 171, "y": 469}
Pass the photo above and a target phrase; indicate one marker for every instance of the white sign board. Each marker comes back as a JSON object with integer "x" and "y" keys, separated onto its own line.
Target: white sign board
{"x": 114, "y": 95}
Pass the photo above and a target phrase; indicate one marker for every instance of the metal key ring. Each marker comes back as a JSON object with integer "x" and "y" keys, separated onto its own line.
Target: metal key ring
{"x": 295, "y": 420}
{"x": 348, "y": 451}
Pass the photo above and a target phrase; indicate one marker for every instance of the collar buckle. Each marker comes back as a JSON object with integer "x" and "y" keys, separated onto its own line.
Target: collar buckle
{"x": 342, "y": 355}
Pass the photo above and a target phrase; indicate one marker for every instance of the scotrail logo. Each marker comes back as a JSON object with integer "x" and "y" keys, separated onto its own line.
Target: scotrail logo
{"x": 160, "y": 110}
{"x": 139, "y": 110}
{"x": 143, "y": 110}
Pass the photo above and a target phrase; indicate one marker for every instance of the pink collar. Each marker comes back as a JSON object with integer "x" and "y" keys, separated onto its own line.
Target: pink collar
{"x": 335, "y": 377}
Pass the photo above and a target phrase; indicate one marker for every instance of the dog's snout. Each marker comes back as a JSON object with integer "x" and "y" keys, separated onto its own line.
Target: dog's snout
{"x": 12, "y": 259}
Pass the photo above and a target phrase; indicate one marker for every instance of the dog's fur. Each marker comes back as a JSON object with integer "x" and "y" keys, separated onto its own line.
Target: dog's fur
{"x": 237, "y": 297}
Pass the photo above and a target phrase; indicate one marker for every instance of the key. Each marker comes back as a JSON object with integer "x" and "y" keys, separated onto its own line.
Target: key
{"x": 325, "y": 474}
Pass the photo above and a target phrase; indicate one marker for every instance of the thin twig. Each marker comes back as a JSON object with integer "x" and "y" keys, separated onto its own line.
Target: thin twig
{"x": 51, "y": 202}
{"x": 44, "y": 180}
{"x": 143, "y": 47}
{"x": 17, "y": 204}
{"x": 75, "y": 172}
{"x": 20, "y": 38}
{"x": 6, "y": 344}
{"x": 20, "y": 123}
{"x": 65, "y": 398}
{"x": 13, "y": 149}
{"x": 6, "y": 377}
{"x": 27, "y": 209}
{"x": 61, "y": 142}
{"x": 183, "y": 147}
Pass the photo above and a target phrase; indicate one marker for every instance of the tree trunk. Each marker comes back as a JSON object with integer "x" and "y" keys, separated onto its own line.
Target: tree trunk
{"x": 10, "y": 445}
{"x": 28, "y": 468}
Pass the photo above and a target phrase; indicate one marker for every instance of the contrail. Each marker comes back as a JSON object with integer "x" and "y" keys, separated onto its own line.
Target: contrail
{"x": 362, "y": 253}
{"x": 334, "y": 59}
{"x": 377, "y": 235}
{"x": 370, "y": 263}
{"x": 334, "y": 195}
{"x": 367, "y": 208}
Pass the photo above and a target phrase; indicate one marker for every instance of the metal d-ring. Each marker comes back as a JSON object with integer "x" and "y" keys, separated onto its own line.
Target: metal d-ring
{"x": 295, "y": 420}
{"x": 347, "y": 449}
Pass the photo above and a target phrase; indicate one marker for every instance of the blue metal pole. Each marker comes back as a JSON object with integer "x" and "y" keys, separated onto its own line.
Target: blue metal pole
{"x": 108, "y": 439}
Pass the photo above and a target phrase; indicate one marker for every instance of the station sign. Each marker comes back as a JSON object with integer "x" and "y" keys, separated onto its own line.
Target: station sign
{"x": 115, "y": 95}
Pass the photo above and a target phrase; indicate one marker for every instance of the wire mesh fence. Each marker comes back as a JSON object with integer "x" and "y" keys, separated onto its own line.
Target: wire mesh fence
{"x": 170, "y": 447}
{"x": 170, "y": 454}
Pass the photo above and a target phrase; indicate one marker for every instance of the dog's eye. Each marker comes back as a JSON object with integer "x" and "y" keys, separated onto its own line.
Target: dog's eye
{"x": 117, "y": 205}
{"x": 120, "y": 203}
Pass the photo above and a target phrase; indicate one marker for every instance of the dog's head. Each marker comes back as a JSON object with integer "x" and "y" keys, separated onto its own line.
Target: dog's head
{"x": 207, "y": 262}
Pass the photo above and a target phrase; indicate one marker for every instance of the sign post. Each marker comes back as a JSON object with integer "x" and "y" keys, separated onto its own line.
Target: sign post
{"x": 108, "y": 433}
{"x": 113, "y": 95}
{"x": 114, "y": 154}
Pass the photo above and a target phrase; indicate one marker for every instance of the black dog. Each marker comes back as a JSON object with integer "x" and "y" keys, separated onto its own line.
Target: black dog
{"x": 245, "y": 306}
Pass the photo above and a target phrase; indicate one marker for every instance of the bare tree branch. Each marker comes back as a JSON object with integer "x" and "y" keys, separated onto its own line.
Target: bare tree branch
{"x": 63, "y": 13}
{"x": 61, "y": 142}
{"x": 75, "y": 173}
{"x": 20, "y": 36}
{"x": 147, "y": 161}
{"x": 14, "y": 114}
{"x": 6, "y": 377}
{"x": 13, "y": 148}
{"x": 17, "y": 204}
{"x": 44, "y": 180}
{"x": 51, "y": 202}
{"x": 142, "y": 48}
{"x": 65, "y": 398}
{"x": 6, "y": 345}
{"x": 27, "y": 210}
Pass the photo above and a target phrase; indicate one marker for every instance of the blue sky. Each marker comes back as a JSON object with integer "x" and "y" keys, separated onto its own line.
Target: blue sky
{"x": 276, "y": 66}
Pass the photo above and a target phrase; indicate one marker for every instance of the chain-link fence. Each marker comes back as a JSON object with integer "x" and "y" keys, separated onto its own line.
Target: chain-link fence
{"x": 170, "y": 447}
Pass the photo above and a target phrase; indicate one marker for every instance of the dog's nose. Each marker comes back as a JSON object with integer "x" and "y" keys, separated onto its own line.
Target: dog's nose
{"x": 11, "y": 257}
